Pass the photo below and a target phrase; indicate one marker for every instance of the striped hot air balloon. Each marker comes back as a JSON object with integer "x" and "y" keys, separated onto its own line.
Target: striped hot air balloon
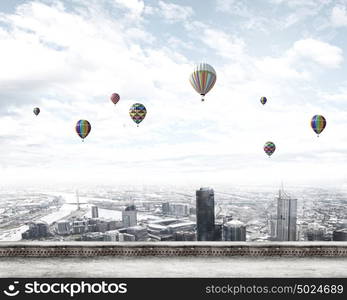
{"x": 115, "y": 98}
{"x": 83, "y": 128}
{"x": 203, "y": 79}
{"x": 137, "y": 113}
{"x": 318, "y": 124}
{"x": 269, "y": 148}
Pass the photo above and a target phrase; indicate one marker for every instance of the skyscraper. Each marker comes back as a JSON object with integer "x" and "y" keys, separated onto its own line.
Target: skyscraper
{"x": 95, "y": 212}
{"x": 234, "y": 231}
{"x": 286, "y": 217}
{"x": 129, "y": 216}
{"x": 205, "y": 214}
{"x": 165, "y": 207}
{"x": 63, "y": 227}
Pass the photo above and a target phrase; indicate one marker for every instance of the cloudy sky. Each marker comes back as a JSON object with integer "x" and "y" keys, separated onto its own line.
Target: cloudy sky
{"x": 67, "y": 57}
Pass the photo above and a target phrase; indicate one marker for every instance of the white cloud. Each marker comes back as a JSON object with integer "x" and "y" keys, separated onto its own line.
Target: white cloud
{"x": 224, "y": 44}
{"x": 300, "y": 61}
{"x": 233, "y": 6}
{"x": 320, "y": 52}
{"x": 173, "y": 12}
{"x": 135, "y": 7}
{"x": 301, "y": 3}
{"x": 339, "y": 16}
{"x": 69, "y": 62}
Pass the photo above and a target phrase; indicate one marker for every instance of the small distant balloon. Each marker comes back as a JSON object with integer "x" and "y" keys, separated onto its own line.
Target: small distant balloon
{"x": 203, "y": 79}
{"x": 269, "y": 148}
{"x": 137, "y": 113}
{"x": 36, "y": 111}
{"x": 115, "y": 98}
{"x": 318, "y": 124}
{"x": 83, "y": 128}
{"x": 263, "y": 100}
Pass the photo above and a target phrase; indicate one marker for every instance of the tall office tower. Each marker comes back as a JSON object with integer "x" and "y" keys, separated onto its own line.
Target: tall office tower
{"x": 286, "y": 217}
{"x": 129, "y": 216}
{"x": 205, "y": 214}
{"x": 218, "y": 229}
{"x": 95, "y": 212}
{"x": 63, "y": 227}
{"x": 234, "y": 231}
{"x": 165, "y": 207}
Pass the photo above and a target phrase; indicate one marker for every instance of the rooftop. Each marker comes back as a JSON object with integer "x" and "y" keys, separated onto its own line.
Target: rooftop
{"x": 173, "y": 259}
{"x": 123, "y": 267}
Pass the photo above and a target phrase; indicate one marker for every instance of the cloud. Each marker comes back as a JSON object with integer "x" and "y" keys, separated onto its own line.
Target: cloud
{"x": 239, "y": 8}
{"x": 173, "y": 12}
{"x": 301, "y": 60}
{"x": 338, "y": 16}
{"x": 320, "y": 52}
{"x": 273, "y": 15}
{"x": 224, "y": 44}
{"x": 300, "y": 3}
{"x": 135, "y": 8}
{"x": 68, "y": 62}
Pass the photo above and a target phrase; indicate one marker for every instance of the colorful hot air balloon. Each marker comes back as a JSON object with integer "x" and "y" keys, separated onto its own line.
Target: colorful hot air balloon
{"x": 83, "y": 128}
{"x": 36, "y": 111}
{"x": 318, "y": 124}
{"x": 114, "y": 98}
{"x": 263, "y": 100}
{"x": 269, "y": 148}
{"x": 203, "y": 79}
{"x": 137, "y": 113}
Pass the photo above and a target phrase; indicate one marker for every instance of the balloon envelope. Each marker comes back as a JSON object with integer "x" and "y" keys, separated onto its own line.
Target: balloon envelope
{"x": 203, "y": 78}
{"x": 269, "y": 148}
{"x": 83, "y": 128}
{"x": 318, "y": 123}
{"x": 263, "y": 100}
{"x": 36, "y": 111}
{"x": 137, "y": 112}
{"x": 115, "y": 98}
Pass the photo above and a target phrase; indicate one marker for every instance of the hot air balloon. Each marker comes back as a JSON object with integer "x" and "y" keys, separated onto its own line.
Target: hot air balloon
{"x": 269, "y": 148}
{"x": 263, "y": 100}
{"x": 203, "y": 79}
{"x": 318, "y": 124}
{"x": 36, "y": 111}
{"x": 114, "y": 98}
{"x": 83, "y": 128}
{"x": 137, "y": 113}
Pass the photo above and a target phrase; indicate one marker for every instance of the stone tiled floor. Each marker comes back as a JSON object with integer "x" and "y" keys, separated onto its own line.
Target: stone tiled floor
{"x": 174, "y": 267}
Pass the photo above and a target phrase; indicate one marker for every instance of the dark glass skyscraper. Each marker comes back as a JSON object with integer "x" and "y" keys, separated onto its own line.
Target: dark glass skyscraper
{"x": 95, "y": 212}
{"x": 205, "y": 214}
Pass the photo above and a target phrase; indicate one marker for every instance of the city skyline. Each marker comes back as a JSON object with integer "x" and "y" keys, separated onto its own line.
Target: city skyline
{"x": 175, "y": 214}
{"x": 68, "y": 57}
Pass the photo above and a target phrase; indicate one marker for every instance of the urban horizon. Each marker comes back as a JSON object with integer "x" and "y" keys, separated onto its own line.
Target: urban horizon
{"x": 163, "y": 212}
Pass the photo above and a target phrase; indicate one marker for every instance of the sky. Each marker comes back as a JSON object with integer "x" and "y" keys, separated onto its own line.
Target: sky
{"x": 67, "y": 57}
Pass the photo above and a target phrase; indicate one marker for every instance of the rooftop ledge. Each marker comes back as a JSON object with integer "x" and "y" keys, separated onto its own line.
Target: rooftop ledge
{"x": 172, "y": 249}
{"x": 173, "y": 259}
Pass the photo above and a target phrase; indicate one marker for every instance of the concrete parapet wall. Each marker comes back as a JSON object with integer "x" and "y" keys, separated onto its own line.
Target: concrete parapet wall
{"x": 89, "y": 249}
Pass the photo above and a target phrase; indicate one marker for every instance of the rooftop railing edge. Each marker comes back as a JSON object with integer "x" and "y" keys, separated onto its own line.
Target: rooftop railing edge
{"x": 90, "y": 249}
